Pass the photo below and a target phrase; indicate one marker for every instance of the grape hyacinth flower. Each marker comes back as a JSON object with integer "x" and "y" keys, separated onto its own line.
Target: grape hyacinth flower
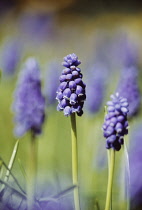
{"x": 29, "y": 107}
{"x": 29, "y": 103}
{"x": 39, "y": 24}
{"x": 51, "y": 82}
{"x": 10, "y": 57}
{"x": 71, "y": 91}
{"x": 125, "y": 50}
{"x": 96, "y": 81}
{"x": 71, "y": 96}
{"x": 115, "y": 124}
{"x": 128, "y": 88}
{"x": 115, "y": 127}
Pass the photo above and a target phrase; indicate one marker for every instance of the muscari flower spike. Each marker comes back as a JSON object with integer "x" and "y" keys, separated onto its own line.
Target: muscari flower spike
{"x": 29, "y": 103}
{"x": 96, "y": 82}
{"x": 71, "y": 91}
{"x": 128, "y": 88}
{"x": 11, "y": 56}
{"x": 51, "y": 83}
{"x": 115, "y": 124}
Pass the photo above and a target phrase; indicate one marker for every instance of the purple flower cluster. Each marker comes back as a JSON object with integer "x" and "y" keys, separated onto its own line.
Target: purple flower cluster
{"x": 128, "y": 88}
{"x": 71, "y": 91}
{"x": 115, "y": 124}
{"x": 29, "y": 103}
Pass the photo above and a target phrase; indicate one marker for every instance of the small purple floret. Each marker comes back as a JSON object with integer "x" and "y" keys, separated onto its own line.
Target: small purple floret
{"x": 116, "y": 125}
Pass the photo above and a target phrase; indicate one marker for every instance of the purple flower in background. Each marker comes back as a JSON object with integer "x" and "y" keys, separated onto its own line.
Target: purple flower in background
{"x": 135, "y": 156}
{"x": 29, "y": 103}
{"x": 128, "y": 88}
{"x": 10, "y": 57}
{"x": 71, "y": 91}
{"x": 125, "y": 51}
{"x": 115, "y": 124}
{"x": 38, "y": 24}
{"x": 51, "y": 82}
{"x": 102, "y": 46}
{"x": 95, "y": 88}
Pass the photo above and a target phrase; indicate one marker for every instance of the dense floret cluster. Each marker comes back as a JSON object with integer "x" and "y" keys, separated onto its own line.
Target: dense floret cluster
{"x": 29, "y": 103}
{"x": 71, "y": 91}
{"x": 116, "y": 125}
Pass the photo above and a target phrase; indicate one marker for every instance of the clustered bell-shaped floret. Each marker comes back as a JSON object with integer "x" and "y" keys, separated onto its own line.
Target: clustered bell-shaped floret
{"x": 115, "y": 124}
{"x": 71, "y": 91}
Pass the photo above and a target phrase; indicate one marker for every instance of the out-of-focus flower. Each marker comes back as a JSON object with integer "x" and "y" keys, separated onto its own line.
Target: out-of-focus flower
{"x": 115, "y": 123}
{"x": 29, "y": 103}
{"x": 71, "y": 91}
{"x": 37, "y": 27}
{"x": 10, "y": 57}
{"x": 128, "y": 88}
{"x": 51, "y": 82}
{"x": 125, "y": 51}
{"x": 135, "y": 155}
{"x": 95, "y": 88}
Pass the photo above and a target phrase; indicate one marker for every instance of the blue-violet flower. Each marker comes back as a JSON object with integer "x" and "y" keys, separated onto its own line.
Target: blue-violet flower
{"x": 115, "y": 124}
{"x": 29, "y": 103}
{"x": 11, "y": 56}
{"x": 96, "y": 82}
{"x": 51, "y": 82}
{"x": 71, "y": 91}
{"x": 128, "y": 88}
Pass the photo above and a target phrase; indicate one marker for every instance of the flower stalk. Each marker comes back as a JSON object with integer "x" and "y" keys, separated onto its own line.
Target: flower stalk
{"x": 75, "y": 161}
{"x": 32, "y": 169}
{"x": 110, "y": 179}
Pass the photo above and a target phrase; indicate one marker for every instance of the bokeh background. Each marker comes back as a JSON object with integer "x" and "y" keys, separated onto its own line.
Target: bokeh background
{"x": 106, "y": 36}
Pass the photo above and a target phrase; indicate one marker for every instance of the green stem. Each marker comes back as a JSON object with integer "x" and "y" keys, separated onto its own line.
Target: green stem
{"x": 125, "y": 179}
{"x": 75, "y": 161}
{"x": 109, "y": 162}
{"x": 110, "y": 179}
{"x": 32, "y": 168}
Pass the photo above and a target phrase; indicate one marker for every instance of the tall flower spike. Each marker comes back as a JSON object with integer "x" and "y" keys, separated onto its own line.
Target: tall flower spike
{"x": 71, "y": 91}
{"x": 128, "y": 88}
{"x": 29, "y": 103}
{"x": 115, "y": 124}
